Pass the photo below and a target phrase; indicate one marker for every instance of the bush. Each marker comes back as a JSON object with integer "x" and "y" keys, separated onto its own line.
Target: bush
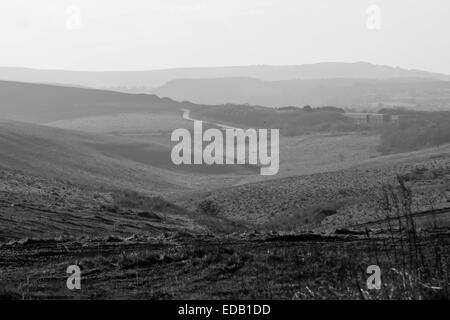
{"x": 208, "y": 207}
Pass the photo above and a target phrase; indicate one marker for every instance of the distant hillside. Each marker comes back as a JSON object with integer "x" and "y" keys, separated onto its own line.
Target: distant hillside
{"x": 45, "y": 103}
{"x": 341, "y": 92}
{"x": 156, "y": 78}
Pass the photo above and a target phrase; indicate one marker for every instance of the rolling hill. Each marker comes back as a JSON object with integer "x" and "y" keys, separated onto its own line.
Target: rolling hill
{"x": 83, "y": 158}
{"x": 102, "y": 161}
{"x": 332, "y": 199}
{"x": 41, "y": 103}
{"x": 156, "y": 78}
{"x": 341, "y": 92}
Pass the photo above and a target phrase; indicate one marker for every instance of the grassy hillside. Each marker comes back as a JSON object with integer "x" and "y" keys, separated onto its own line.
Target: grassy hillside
{"x": 80, "y": 157}
{"x": 100, "y": 160}
{"x": 48, "y": 208}
{"x": 330, "y": 199}
{"x": 46, "y": 103}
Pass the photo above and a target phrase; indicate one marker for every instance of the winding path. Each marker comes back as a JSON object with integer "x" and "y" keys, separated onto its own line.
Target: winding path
{"x": 187, "y": 116}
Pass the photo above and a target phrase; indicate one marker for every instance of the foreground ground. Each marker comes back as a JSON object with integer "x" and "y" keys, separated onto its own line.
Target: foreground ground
{"x": 236, "y": 267}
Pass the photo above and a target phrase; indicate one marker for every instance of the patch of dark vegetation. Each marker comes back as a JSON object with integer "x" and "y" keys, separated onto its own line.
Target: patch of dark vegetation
{"x": 134, "y": 200}
{"x": 300, "y": 237}
{"x": 208, "y": 207}
{"x": 291, "y": 121}
{"x": 9, "y": 293}
{"x": 348, "y": 232}
{"x": 424, "y": 173}
{"x": 149, "y": 215}
{"x": 148, "y": 259}
{"x": 305, "y": 217}
{"x": 415, "y": 130}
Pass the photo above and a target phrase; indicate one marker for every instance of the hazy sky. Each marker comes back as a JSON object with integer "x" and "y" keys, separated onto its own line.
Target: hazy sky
{"x": 154, "y": 34}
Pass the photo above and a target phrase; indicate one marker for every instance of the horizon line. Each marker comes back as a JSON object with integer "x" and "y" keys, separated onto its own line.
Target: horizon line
{"x": 217, "y": 67}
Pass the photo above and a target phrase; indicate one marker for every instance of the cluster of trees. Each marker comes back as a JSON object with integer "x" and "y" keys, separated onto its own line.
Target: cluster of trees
{"x": 416, "y": 130}
{"x": 290, "y": 120}
{"x": 308, "y": 108}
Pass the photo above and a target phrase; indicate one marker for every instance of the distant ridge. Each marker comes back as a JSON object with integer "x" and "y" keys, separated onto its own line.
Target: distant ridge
{"x": 422, "y": 93}
{"x": 156, "y": 78}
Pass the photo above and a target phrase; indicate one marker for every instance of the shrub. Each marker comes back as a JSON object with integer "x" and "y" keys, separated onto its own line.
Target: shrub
{"x": 208, "y": 207}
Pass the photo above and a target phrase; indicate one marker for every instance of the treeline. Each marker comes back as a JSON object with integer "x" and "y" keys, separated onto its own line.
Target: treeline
{"x": 291, "y": 121}
{"x": 415, "y": 130}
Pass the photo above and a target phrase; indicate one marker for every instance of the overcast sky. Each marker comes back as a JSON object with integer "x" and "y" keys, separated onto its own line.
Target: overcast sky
{"x": 155, "y": 34}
